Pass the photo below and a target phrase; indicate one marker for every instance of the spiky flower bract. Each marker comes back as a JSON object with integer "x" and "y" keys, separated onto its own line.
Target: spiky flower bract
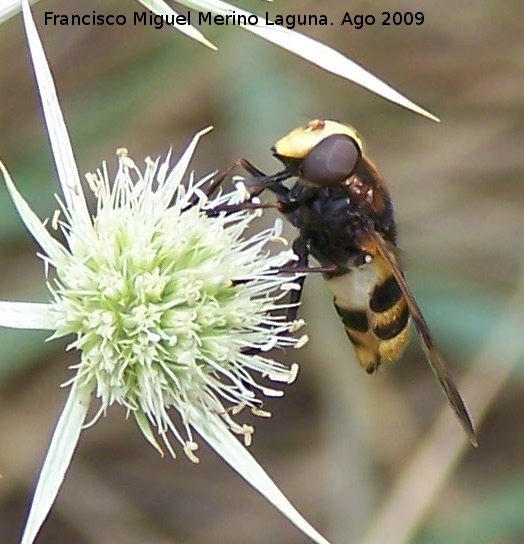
{"x": 168, "y": 304}
{"x": 162, "y": 13}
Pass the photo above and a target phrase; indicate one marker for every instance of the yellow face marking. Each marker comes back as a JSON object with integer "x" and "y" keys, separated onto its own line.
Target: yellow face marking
{"x": 300, "y": 141}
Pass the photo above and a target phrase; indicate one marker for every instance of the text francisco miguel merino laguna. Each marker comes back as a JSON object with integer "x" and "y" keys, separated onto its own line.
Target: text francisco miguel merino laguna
{"x": 201, "y": 18}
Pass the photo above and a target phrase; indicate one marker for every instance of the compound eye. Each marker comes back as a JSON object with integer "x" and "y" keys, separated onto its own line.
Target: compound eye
{"x": 331, "y": 161}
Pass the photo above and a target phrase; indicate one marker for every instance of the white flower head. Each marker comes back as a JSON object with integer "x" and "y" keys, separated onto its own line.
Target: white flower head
{"x": 171, "y": 307}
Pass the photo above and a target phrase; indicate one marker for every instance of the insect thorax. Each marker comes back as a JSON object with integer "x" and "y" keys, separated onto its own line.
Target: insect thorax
{"x": 333, "y": 223}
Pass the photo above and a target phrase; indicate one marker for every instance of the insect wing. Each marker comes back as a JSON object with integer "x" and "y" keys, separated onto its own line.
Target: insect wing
{"x": 428, "y": 344}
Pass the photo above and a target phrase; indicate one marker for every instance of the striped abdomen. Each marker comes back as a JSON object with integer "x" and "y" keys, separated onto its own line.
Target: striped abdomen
{"x": 374, "y": 312}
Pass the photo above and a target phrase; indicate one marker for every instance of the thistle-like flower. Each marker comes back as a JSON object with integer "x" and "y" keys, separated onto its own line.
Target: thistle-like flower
{"x": 171, "y": 309}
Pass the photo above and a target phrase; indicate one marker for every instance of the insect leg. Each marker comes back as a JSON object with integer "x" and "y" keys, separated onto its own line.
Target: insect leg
{"x": 234, "y": 208}
{"x": 301, "y": 250}
{"x": 250, "y": 168}
{"x": 255, "y": 185}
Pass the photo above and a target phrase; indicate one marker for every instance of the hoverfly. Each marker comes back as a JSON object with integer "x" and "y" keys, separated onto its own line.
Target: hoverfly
{"x": 344, "y": 215}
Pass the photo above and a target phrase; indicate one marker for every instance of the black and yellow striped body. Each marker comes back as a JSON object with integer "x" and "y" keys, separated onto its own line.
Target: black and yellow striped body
{"x": 365, "y": 293}
{"x": 343, "y": 212}
{"x": 373, "y": 310}
{"x": 334, "y": 219}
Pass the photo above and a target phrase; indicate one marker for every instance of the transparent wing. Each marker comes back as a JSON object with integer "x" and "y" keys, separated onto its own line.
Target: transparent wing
{"x": 428, "y": 344}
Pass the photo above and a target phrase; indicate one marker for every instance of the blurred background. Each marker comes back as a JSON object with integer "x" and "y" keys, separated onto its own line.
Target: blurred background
{"x": 369, "y": 460}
